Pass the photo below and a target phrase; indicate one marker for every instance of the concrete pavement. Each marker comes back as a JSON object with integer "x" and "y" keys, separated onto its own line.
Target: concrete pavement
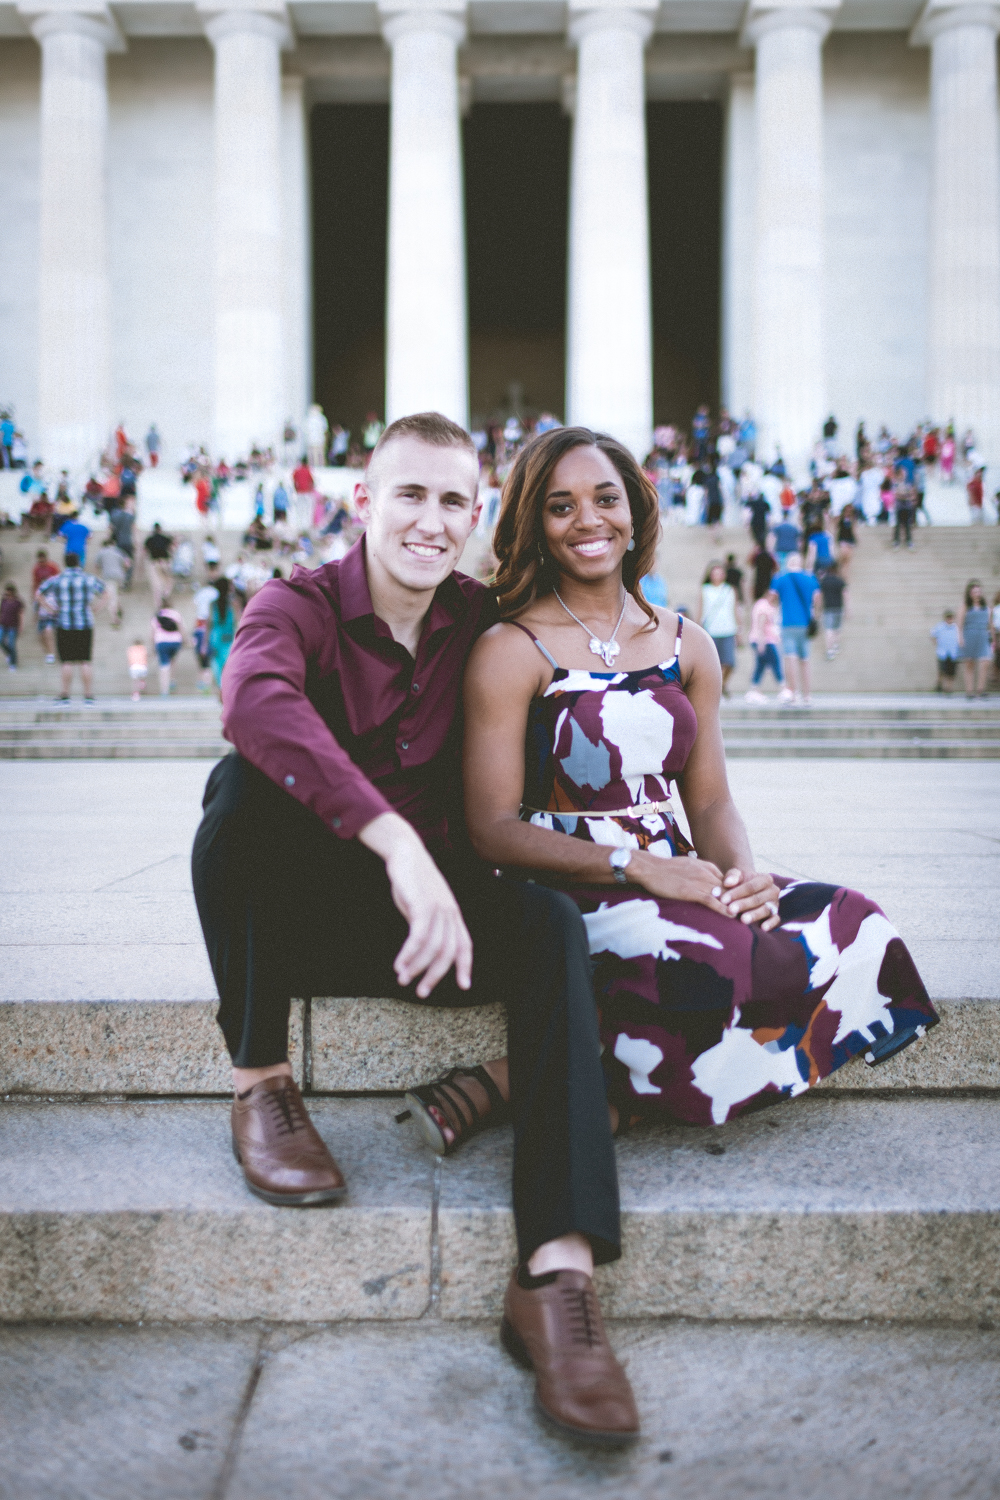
{"x": 438, "y": 1412}
{"x": 96, "y": 883}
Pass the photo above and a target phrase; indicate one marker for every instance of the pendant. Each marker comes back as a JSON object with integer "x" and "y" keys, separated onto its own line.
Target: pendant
{"x": 608, "y": 650}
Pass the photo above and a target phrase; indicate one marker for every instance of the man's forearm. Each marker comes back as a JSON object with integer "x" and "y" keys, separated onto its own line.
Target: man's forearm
{"x": 388, "y": 834}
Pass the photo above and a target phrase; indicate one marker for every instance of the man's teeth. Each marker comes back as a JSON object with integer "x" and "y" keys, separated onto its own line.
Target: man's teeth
{"x": 425, "y": 551}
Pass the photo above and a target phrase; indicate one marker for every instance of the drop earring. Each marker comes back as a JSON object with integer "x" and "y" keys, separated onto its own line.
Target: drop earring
{"x": 631, "y": 544}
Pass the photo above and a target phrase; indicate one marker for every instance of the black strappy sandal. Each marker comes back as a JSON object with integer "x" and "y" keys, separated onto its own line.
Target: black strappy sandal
{"x": 436, "y": 1095}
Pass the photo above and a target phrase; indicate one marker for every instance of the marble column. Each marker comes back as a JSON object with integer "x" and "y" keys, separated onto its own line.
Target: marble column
{"x": 789, "y": 391}
{"x": 426, "y": 319}
{"x": 964, "y": 303}
{"x": 249, "y": 297}
{"x": 738, "y": 192}
{"x": 609, "y": 336}
{"x": 296, "y": 248}
{"x": 74, "y": 313}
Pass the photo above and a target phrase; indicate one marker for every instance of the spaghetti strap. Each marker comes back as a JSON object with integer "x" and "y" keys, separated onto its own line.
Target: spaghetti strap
{"x": 677, "y": 638}
{"x": 547, "y": 654}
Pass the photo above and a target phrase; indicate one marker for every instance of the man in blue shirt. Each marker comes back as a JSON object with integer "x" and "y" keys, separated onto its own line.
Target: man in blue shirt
{"x": 76, "y": 536}
{"x": 797, "y": 591}
{"x": 786, "y": 542}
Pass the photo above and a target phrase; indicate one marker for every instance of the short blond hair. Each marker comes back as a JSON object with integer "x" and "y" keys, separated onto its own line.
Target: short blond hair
{"x": 430, "y": 427}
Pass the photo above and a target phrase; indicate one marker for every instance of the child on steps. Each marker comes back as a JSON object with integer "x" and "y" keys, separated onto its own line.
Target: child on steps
{"x": 137, "y": 668}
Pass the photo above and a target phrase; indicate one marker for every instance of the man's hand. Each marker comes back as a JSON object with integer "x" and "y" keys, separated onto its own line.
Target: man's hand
{"x": 438, "y": 936}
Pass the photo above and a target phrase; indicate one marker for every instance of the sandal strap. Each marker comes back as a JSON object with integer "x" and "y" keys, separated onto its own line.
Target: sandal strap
{"x": 497, "y": 1100}
{"x": 440, "y": 1093}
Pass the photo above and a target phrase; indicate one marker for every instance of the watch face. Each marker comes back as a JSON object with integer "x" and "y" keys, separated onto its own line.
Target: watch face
{"x": 619, "y": 858}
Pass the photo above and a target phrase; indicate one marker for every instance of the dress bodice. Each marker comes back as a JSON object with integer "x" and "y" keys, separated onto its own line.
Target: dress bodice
{"x": 600, "y": 742}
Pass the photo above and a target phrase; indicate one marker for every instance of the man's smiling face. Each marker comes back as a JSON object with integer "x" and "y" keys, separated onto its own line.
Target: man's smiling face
{"x": 419, "y": 503}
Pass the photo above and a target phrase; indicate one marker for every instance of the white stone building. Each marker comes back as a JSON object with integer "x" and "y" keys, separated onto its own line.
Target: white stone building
{"x": 156, "y": 251}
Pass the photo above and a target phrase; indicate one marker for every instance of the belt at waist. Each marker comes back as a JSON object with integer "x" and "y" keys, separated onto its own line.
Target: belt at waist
{"x": 638, "y": 810}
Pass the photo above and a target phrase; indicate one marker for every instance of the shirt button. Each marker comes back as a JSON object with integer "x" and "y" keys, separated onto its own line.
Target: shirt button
{"x": 334, "y": 822}
{"x": 416, "y": 687}
{"x": 289, "y": 780}
{"x": 406, "y": 745}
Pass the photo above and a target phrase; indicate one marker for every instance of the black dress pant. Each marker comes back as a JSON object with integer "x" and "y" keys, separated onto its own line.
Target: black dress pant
{"x": 287, "y": 908}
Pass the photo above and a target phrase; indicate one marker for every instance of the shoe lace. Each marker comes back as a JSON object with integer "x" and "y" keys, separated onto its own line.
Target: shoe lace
{"x": 582, "y": 1317}
{"x": 287, "y": 1114}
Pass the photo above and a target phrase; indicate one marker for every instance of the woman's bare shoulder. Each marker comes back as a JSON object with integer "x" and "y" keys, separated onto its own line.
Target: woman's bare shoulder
{"x": 505, "y": 657}
{"x": 698, "y": 654}
{"x": 505, "y": 666}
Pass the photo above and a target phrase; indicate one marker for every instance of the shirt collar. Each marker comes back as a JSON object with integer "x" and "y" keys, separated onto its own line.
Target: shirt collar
{"x": 356, "y": 600}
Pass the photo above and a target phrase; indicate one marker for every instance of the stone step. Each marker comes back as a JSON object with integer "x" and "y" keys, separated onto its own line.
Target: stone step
{"x": 820, "y": 1209}
{"x": 791, "y": 726}
{"x": 140, "y": 750}
{"x": 886, "y": 708}
{"x": 120, "y": 733}
{"x": 169, "y": 1047}
{"x": 186, "y": 711}
{"x": 861, "y": 749}
{"x": 843, "y": 708}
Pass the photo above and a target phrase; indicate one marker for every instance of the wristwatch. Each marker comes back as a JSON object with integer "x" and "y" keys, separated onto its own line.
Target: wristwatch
{"x": 619, "y": 860}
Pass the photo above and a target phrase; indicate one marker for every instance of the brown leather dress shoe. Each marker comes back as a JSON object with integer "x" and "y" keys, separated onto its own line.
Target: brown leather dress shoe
{"x": 557, "y": 1331}
{"x": 282, "y": 1154}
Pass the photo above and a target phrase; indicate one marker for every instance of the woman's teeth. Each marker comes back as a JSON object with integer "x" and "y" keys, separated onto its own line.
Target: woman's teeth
{"x": 600, "y": 545}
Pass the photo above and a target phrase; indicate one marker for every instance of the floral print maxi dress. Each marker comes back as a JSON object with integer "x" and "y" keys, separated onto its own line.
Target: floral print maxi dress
{"x": 702, "y": 1016}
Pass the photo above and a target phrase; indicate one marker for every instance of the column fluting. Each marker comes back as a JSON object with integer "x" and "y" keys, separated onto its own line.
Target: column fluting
{"x": 789, "y": 388}
{"x": 74, "y": 303}
{"x": 426, "y": 317}
{"x": 609, "y": 337}
{"x": 964, "y": 310}
{"x": 249, "y": 311}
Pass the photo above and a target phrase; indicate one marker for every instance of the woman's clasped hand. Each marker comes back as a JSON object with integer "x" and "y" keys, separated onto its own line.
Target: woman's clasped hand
{"x": 753, "y": 898}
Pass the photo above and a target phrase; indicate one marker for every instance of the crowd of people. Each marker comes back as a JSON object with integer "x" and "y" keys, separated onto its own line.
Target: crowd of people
{"x": 794, "y": 586}
{"x": 713, "y": 470}
{"x": 799, "y": 569}
{"x": 64, "y": 600}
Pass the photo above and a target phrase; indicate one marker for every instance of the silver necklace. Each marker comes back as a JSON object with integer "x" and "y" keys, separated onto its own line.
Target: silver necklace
{"x": 608, "y": 649}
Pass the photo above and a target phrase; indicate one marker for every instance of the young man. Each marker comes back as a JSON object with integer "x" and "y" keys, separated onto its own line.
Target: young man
{"x": 796, "y": 590}
{"x": 332, "y": 860}
{"x": 69, "y": 597}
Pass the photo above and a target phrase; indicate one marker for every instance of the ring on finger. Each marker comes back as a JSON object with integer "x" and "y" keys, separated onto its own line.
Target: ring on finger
{"x": 772, "y": 907}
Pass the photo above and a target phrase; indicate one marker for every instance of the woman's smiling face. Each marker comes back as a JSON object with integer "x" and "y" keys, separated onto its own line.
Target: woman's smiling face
{"x": 586, "y": 519}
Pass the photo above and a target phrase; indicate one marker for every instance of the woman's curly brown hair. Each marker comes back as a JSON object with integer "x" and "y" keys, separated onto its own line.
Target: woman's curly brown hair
{"x": 526, "y": 571}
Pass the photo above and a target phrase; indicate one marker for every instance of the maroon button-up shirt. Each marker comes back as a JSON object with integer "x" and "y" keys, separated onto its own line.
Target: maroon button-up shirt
{"x": 318, "y": 696}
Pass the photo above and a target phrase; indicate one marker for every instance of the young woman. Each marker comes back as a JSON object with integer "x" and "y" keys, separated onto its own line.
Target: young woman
{"x": 718, "y": 614}
{"x": 974, "y": 623}
{"x": 721, "y": 989}
{"x": 765, "y": 638}
{"x": 847, "y": 540}
{"x": 221, "y": 629}
{"x": 167, "y": 629}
